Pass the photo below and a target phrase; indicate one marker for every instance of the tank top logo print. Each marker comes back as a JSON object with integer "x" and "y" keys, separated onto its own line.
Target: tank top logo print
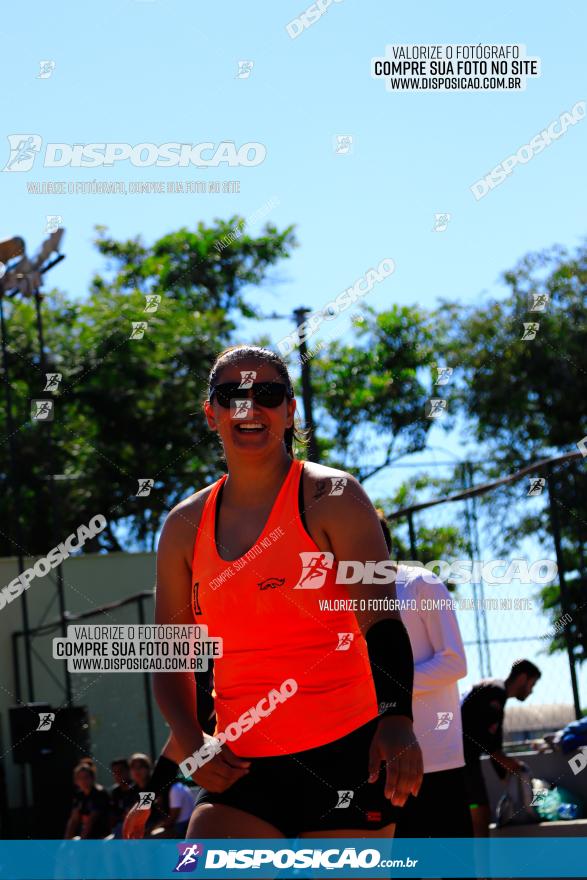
{"x": 314, "y": 570}
{"x": 270, "y": 583}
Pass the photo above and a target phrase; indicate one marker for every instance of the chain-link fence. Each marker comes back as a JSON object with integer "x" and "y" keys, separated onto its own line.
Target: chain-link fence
{"x": 528, "y": 594}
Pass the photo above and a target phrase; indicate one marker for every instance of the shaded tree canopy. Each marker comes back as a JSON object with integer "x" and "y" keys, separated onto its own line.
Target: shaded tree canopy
{"x": 128, "y": 408}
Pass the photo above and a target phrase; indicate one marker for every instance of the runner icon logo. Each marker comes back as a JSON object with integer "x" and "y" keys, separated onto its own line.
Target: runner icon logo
{"x": 23, "y": 151}
{"x": 245, "y": 68}
{"x": 537, "y": 484}
{"x": 54, "y": 222}
{"x": 435, "y": 408}
{"x": 530, "y": 331}
{"x": 344, "y": 799}
{"x": 242, "y": 409}
{"x": 247, "y": 378}
{"x": 538, "y": 302}
{"x": 315, "y": 567}
{"x": 152, "y": 301}
{"x": 344, "y": 641}
{"x": 46, "y": 68}
{"x": 138, "y": 329}
{"x": 441, "y": 221}
{"x": 46, "y": 719}
{"x": 53, "y": 380}
{"x": 42, "y": 410}
{"x": 146, "y": 799}
{"x": 343, "y": 144}
{"x": 444, "y": 374}
{"x": 444, "y": 719}
{"x": 187, "y": 861}
{"x": 338, "y": 484}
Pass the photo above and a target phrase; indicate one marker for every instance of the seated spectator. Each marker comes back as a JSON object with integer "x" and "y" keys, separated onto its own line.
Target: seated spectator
{"x": 141, "y": 767}
{"x": 122, "y": 794}
{"x": 89, "y": 818}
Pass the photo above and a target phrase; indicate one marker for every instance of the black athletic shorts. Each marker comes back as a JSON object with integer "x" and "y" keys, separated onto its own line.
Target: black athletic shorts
{"x": 475, "y": 787}
{"x": 441, "y": 808}
{"x": 320, "y": 789}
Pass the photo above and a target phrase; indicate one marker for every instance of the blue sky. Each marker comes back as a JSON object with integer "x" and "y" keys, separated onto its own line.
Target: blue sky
{"x": 154, "y": 72}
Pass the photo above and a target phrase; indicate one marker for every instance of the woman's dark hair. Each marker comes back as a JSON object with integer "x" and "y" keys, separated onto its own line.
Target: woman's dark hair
{"x": 238, "y": 353}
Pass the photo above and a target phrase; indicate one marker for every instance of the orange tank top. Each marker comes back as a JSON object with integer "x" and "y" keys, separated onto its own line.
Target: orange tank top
{"x": 275, "y": 632}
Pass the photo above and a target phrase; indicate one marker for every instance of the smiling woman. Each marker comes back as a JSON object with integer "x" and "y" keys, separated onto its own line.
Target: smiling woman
{"x": 239, "y": 396}
{"x": 349, "y": 710}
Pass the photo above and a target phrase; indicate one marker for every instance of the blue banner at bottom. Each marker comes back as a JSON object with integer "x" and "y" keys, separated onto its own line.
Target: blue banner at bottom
{"x": 300, "y": 859}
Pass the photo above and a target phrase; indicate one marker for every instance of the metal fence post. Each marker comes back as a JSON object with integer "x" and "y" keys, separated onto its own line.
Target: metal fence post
{"x": 412, "y": 535}
{"x": 148, "y": 696}
{"x": 564, "y": 598}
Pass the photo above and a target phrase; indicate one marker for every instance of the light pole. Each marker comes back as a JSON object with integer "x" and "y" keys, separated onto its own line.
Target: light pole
{"x": 25, "y": 277}
{"x": 299, "y": 315}
{"x": 564, "y": 596}
{"x": 9, "y": 249}
{"x": 466, "y": 475}
{"x": 307, "y": 394}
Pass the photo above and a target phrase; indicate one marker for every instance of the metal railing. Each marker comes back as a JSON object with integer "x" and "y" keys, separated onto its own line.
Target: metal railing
{"x": 468, "y": 495}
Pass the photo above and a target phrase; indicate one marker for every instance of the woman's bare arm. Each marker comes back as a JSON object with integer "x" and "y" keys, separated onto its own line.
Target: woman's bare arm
{"x": 175, "y": 692}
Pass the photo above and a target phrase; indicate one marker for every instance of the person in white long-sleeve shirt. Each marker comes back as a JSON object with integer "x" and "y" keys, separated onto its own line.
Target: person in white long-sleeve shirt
{"x": 441, "y": 808}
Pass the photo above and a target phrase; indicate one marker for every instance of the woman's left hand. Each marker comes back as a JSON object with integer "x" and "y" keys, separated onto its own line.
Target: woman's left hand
{"x": 133, "y": 827}
{"x": 395, "y": 744}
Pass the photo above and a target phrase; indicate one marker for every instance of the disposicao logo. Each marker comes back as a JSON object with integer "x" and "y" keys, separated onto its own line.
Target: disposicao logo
{"x": 187, "y": 861}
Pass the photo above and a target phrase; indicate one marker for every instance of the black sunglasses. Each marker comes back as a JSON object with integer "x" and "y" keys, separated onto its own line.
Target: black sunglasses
{"x": 269, "y": 394}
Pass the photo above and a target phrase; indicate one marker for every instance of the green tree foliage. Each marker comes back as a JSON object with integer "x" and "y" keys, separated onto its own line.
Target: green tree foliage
{"x": 525, "y": 400}
{"x": 128, "y": 409}
{"x": 432, "y": 542}
{"x": 371, "y": 395}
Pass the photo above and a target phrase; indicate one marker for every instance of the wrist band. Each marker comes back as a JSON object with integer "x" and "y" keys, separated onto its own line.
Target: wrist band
{"x": 164, "y": 775}
{"x": 392, "y": 667}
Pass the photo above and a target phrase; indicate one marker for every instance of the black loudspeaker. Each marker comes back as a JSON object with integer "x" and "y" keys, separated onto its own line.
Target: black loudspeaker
{"x": 52, "y": 754}
{"x": 52, "y": 775}
{"x": 38, "y": 732}
{"x": 27, "y": 741}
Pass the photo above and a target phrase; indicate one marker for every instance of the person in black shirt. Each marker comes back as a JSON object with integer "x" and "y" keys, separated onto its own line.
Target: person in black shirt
{"x": 122, "y": 794}
{"x": 89, "y": 818}
{"x": 482, "y": 711}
